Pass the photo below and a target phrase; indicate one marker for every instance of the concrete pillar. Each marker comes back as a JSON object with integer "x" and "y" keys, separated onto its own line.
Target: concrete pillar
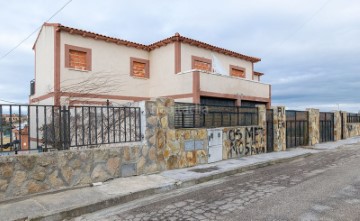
{"x": 279, "y": 122}
{"x": 337, "y": 125}
{"x": 314, "y": 123}
{"x": 261, "y": 142}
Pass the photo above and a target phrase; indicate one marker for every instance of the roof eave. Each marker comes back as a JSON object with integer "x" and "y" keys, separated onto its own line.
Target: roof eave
{"x": 207, "y": 46}
{"x": 45, "y": 24}
{"x": 258, "y": 73}
{"x": 97, "y": 36}
{"x": 176, "y": 38}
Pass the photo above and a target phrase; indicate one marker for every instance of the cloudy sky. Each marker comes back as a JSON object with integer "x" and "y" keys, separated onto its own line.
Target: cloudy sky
{"x": 310, "y": 49}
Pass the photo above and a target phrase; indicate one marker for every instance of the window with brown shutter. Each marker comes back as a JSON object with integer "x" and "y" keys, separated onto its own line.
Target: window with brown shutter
{"x": 77, "y": 58}
{"x": 201, "y": 63}
{"x": 139, "y": 67}
{"x": 237, "y": 71}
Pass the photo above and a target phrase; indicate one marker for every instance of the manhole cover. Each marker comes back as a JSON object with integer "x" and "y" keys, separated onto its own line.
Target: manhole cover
{"x": 205, "y": 170}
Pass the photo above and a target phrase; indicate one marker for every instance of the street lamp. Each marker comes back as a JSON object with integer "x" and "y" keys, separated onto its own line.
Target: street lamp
{"x": 16, "y": 146}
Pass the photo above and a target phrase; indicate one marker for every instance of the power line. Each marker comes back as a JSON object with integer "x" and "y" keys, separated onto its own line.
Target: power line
{"x": 36, "y": 30}
{"x": 7, "y": 101}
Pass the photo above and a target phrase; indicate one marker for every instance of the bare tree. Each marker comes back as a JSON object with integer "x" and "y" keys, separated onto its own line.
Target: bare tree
{"x": 90, "y": 126}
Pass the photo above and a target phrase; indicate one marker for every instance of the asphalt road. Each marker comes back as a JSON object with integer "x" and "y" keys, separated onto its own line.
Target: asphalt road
{"x": 324, "y": 186}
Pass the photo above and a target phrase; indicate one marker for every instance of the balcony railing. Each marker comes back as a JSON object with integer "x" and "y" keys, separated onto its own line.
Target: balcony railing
{"x": 189, "y": 115}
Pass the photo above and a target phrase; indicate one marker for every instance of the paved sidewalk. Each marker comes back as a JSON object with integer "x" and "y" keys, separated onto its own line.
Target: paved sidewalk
{"x": 334, "y": 145}
{"x": 72, "y": 203}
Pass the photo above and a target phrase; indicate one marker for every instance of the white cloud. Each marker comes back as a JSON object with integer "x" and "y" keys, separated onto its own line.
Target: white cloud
{"x": 310, "y": 56}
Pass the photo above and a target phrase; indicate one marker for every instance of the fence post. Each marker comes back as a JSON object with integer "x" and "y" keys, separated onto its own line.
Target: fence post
{"x": 65, "y": 127}
{"x": 314, "y": 124}
{"x": 344, "y": 129}
{"x": 279, "y": 121}
{"x": 165, "y": 114}
{"x": 337, "y": 125}
{"x": 262, "y": 124}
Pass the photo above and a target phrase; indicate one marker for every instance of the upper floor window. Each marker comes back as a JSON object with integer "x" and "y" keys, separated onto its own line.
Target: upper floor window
{"x": 237, "y": 71}
{"x": 139, "y": 67}
{"x": 201, "y": 64}
{"x": 77, "y": 58}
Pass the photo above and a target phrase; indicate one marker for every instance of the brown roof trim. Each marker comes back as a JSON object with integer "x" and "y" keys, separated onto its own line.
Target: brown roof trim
{"x": 176, "y": 38}
{"x": 102, "y": 37}
{"x": 258, "y": 73}
{"x": 45, "y": 24}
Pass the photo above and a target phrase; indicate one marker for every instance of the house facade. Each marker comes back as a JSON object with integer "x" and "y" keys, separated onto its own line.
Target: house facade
{"x": 77, "y": 67}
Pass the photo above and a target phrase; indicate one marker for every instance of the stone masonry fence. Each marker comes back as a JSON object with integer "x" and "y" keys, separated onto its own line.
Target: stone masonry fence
{"x": 163, "y": 147}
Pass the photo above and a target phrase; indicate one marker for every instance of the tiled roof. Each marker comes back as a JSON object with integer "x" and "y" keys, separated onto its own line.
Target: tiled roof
{"x": 175, "y": 38}
{"x": 178, "y": 37}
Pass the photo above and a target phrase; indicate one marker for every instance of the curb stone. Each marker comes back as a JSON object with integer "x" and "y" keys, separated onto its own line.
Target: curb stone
{"x": 81, "y": 210}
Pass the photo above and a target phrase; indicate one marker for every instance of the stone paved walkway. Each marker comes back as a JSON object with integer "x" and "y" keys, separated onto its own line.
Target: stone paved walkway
{"x": 234, "y": 194}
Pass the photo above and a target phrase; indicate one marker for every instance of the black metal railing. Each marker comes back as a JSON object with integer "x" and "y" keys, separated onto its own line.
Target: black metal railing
{"x": 297, "y": 128}
{"x": 197, "y": 116}
{"x": 42, "y": 127}
{"x": 353, "y": 118}
{"x": 326, "y": 127}
{"x": 269, "y": 130}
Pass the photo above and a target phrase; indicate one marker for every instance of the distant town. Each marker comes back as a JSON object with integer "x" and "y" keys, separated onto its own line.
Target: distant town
{"x": 13, "y": 129}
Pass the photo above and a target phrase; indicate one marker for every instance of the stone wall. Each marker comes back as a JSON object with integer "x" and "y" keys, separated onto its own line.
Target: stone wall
{"x": 262, "y": 125}
{"x": 163, "y": 148}
{"x": 344, "y": 122}
{"x": 337, "y": 125}
{"x": 185, "y": 148}
{"x": 279, "y": 122}
{"x": 174, "y": 148}
{"x": 314, "y": 123}
{"x": 243, "y": 141}
{"x": 353, "y": 129}
{"x": 34, "y": 173}
{"x": 150, "y": 138}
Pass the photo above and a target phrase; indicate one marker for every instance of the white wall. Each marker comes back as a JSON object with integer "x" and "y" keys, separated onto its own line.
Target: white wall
{"x": 228, "y": 85}
{"x": 163, "y": 80}
{"x": 187, "y": 51}
{"x": 110, "y": 74}
{"x": 110, "y": 69}
{"x": 44, "y": 62}
{"x": 184, "y": 100}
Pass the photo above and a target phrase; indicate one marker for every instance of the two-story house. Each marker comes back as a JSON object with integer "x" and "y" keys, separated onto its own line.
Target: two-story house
{"x": 77, "y": 67}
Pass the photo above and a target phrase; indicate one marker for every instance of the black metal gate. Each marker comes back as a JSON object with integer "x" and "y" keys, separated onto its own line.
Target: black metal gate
{"x": 297, "y": 128}
{"x": 326, "y": 127}
{"x": 270, "y": 130}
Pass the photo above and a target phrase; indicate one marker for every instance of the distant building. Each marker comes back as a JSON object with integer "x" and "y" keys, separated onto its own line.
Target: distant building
{"x": 77, "y": 67}
{"x": 22, "y": 135}
{"x": 14, "y": 118}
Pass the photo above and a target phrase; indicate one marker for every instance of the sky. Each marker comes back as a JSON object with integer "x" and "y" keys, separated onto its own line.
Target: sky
{"x": 310, "y": 49}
